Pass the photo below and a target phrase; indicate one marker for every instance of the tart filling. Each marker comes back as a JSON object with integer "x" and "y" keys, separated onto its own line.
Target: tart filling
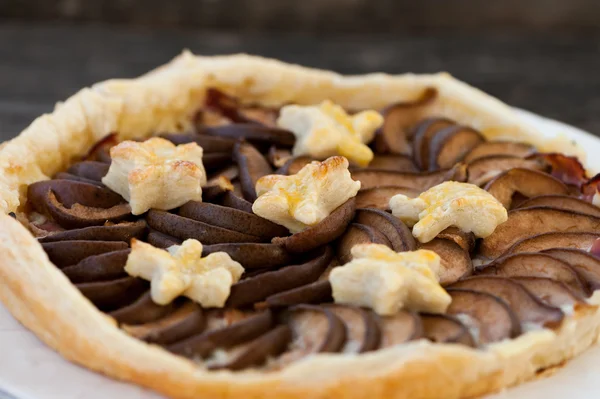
{"x": 260, "y": 242}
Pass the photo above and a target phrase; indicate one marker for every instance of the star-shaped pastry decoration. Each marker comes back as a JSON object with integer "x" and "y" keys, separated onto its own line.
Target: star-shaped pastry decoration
{"x": 181, "y": 270}
{"x": 156, "y": 173}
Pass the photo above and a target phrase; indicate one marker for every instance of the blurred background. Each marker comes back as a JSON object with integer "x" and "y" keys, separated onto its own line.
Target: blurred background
{"x": 542, "y": 55}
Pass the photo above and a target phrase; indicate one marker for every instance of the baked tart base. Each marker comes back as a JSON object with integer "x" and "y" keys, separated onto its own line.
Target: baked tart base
{"x": 40, "y": 296}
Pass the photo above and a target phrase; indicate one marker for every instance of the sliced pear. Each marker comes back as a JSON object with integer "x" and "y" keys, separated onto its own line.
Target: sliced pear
{"x": 293, "y": 165}
{"x": 464, "y": 240}
{"x": 424, "y": 131}
{"x": 69, "y": 176}
{"x": 527, "y": 222}
{"x": 184, "y": 322}
{"x": 160, "y": 240}
{"x": 314, "y": 293}
{"x": 209, "y": 144}
{"x": 79, "y": 216}
{"x": 143, "y": 310}
{"x": 455, "y": 261}
{"x": 255, "y": 133}
{"x": 444, "y": 328}
{"x": 394, "y": 135}
{"x": 393, "y": 162}
{"x": 224, "y": 333}
{"x": 252, "y": 167}
{"x": 490, "y": 318}
{"x": 106, "y": 266}
{"x": 113, "y": 294}
{"x": 536, "y": 265}
{"x": 117, "y": 232}
{"x": 540, "y": 242}
{"x": 67, "y": 253}
{"x": 358, "y": 234}
{"x": 232, "y": 219}
{"x": 551, "y": 292}
{"x": 397, "y": 233}
{"x": 184, "y": 228}
{"x": 257, "y": 288}
{"x": 527, "y": 307}
{"x": 233, "y": 201}
{"x": 450, "y": 145}
{"x": 379, "y": 197}
{"x": 511, "y": 148}
{"x": 69, "y": 193}
{"x": 584, "y": 263}
{"x": 370, "y": 178}
{"x": 324, "y": 232}
{"x": 400, "y": 328}
{"x": 362, "y": 328}
{"x": 564, "y": 202}
{"x": 91, "y": 170}
{"x": 251, "y": 255}
{"x": 483, "y": 170}
{"x": 529, "y": 183}
{"x": 257, "y": 351}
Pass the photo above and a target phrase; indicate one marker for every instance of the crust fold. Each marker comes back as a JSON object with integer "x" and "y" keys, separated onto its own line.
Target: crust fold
{"x": 43, "y": 299}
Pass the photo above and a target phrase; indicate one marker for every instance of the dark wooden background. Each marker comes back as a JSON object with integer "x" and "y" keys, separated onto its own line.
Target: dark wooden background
{"x": 542, "y": 55}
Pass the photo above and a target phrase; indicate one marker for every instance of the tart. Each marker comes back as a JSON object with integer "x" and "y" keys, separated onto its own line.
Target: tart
{"x": 263, "y": 230}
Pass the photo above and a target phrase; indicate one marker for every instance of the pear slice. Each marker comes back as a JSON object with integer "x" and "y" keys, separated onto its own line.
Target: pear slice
{"x": 395, "y": 134}
{"x": 358, "y": 234}
{"x": 161, "y": 240}
{"x": 379, "y": 197}
{"x": 540, "y": 242}
{"x": 551, "y": 292}
{"x": 397, "y": 233}
{"x": 106, "y": 266}
{"x": 67, "y": 253}
{"x": 251, "y": 255}
{"x": 91, "y": 170}
{"x": 184, "y": 228}
{"x": 482, "y": 170}
{"x": 422, "y": 181}
{"x": 527, "y": 307}
{"x": 143, "y": 310}
{"x": 232, "y": 219}
{"x": 324, "y": 232}
{"x": 563, "y": 202}
{"x": 584, "y": 263}
{"x": 424, "y": 131}
{"x": 400, "y": 328}
{"x": 529, "y": 183}
{"x": 393, "y": 162}
{"x": 512, "y": 148}
{"x": 124, "y": 231}
{"x": 253, "y": 165}
{"x": 113, "y": 294}
{"x": 455, "y": 261}
{"x": 185, "y": 321}
{"x": 490, "y": 318}
{"x": 257, "y": 288}
{"x": 224, "y": 333}
{"x": 536, "y": 265}
{"x": 314, "y": 293}
{"x": 362, "y": 328}
{"x": 528, "y": 222}
{"x": 443, "y": 328}
{"x": 450, "y": 145}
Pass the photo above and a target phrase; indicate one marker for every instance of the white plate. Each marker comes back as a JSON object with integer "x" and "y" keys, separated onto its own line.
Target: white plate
{"x": 30, "y": 370}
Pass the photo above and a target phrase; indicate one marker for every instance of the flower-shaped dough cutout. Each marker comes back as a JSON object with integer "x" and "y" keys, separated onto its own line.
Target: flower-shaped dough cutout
{"x": 181, "y": 270}
{"x": 387, "y": 281}
{"x": 326, "y": 130}
{"x": 463, "y": 205}
{"x": 304, "y": 199}
{"x": 156, "y": 174}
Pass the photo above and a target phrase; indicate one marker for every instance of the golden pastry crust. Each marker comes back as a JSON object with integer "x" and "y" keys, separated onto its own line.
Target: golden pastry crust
{"x": 43, "y": 299}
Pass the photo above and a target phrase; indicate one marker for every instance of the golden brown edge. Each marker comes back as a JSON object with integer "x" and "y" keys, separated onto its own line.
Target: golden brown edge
{"x": 43, "y": 299}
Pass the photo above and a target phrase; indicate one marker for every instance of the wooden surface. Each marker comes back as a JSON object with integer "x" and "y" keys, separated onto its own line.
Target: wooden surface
{"x": 553, "y": 75}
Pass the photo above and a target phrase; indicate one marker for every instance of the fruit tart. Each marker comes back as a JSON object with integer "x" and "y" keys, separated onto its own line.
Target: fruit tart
{"x": 233, "y": 227}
